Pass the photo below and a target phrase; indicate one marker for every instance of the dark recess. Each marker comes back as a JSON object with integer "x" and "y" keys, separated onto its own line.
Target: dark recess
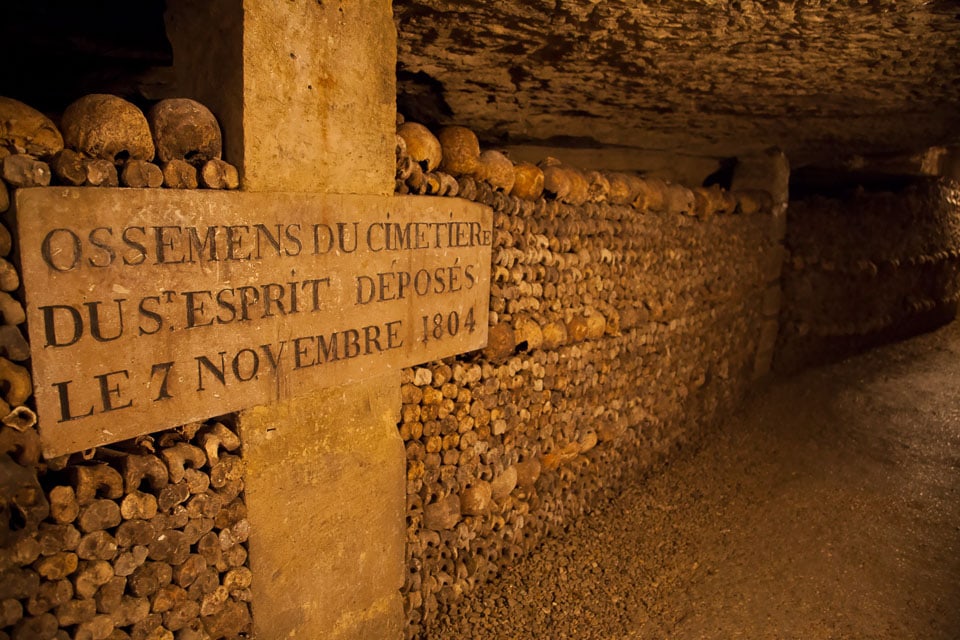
{"x": 722, "y": 177}
{"x": 57, "y": 51}
{"x": 806, "y": 182}
{"x": 420, "y": 98}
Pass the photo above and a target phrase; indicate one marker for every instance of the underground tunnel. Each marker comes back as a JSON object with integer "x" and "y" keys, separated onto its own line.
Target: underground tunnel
{"x": 434, "y": 320}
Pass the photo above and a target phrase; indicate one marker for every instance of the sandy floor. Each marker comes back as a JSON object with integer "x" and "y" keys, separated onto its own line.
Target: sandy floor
{"x": 829, "y": 507}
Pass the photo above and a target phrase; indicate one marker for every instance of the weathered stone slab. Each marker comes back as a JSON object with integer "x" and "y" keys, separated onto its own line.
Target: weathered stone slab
{"x": 150, "y": 308}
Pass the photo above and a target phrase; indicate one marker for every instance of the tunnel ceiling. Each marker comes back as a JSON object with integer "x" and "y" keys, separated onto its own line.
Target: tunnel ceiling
{"x": 823, "y": 80}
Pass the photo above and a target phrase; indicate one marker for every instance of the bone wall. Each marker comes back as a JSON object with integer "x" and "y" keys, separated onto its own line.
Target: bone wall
{"x": 145, "y": 538}
{"x": 868, "y": 269}
{"x": 617, "y": 332}
{"x": 625, "y": 317}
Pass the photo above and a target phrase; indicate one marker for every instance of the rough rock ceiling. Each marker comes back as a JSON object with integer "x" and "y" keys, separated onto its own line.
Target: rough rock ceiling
{"x": 823, "y": 80}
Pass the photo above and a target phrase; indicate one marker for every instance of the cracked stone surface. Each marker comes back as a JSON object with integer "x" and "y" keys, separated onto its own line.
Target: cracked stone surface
{"x": 822, "y": 79}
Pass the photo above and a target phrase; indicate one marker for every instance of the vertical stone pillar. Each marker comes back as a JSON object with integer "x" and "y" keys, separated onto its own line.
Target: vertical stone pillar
{"x": 769, "y": 171}
{"x": 325, "y": 496}
{"x": 305, "y": 93}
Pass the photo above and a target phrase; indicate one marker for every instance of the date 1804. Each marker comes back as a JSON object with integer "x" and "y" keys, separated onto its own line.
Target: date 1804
{"x": 439, "y": 325}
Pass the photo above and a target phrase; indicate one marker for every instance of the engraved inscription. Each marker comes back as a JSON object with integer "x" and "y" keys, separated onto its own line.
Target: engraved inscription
{"x": 148, "y": 309}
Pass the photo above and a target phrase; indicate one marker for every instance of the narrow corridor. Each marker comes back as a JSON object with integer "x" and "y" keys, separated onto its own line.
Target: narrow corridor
{"x": 828, "y": 507}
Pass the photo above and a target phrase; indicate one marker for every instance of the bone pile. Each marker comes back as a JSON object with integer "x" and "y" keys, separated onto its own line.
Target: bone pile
{"x": 624, "y": 318}
{"x": 106, "y": 141}
{"x": 142, "y": 539}
{"x": 867, "y": 270}
{"x": 145, "y": 539}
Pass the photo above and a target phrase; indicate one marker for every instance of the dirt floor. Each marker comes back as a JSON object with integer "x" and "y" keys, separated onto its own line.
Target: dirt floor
{"x": 829, "y": 507}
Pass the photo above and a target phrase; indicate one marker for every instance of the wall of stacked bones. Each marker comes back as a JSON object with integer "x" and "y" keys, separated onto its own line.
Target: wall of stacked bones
{"x": 144, "y": 538}
{"x": 867, "y": 269}
{"x": 624, "y": 317}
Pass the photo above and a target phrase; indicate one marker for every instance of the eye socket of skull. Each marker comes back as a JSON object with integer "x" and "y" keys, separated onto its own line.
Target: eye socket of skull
{"x": 107, "y": 127}
{"x": 184, "y": 129}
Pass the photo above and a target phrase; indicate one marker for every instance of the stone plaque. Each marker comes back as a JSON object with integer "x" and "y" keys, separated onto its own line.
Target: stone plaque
{"x": 148, "y": 309}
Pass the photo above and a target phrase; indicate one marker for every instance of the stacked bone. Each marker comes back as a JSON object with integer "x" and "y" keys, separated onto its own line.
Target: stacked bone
{"x": 25, "y": 136}
{"x": 15, "y": 380}
{"x": 623, "y": 319}
{"x": 144, "y": 539}
{"x": 867, "y": 270}
{"x": 107, "y": 141}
